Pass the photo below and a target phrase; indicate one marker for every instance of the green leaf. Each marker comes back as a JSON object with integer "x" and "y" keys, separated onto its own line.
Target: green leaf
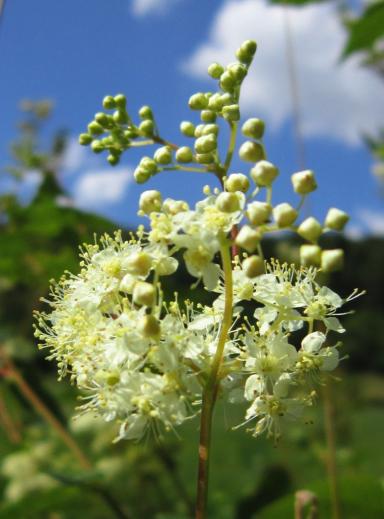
{"x": 366, "y": 30}
{"x": 296, "y": 2}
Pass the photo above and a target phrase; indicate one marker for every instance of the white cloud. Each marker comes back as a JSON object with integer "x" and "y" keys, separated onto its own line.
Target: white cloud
{"x": 102, "y": 187}
{"x": 338, "y": 100}
{"x": 150, "y": 7}
{"x": 373, "y": 221}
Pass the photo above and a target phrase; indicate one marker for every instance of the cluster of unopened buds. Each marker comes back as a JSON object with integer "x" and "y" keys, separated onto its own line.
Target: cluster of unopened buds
{"x": 146, "y": 362}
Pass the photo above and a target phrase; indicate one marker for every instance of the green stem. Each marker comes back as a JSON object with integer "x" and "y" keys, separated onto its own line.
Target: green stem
{"x": 231, "y": 148}
{"x": 211, "y": 389}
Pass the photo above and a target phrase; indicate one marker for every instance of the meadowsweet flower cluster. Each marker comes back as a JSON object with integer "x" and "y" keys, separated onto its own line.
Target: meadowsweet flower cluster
{"x": 146, "y": 362}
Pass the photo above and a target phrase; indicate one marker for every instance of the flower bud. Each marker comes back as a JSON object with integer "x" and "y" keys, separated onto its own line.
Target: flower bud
{"x": 209, "y": 128}
{"x": 227, "y": 81}
{"x": 199, "y": 130}
{"x": 163, "y": 155}
{"x": 121, "y": 101}
{"x": 198, "y": 101}
{"x": 258, "y": 212}
{"x": 214, "y": 103}
{"x": 253, "y": 128}
{"x": 85, "y": 139}
{"x": 144, "y": 294}
{"x": 149, "y": 326}
{"x": 103, "y": 119}
{"x": 284, "y": 215}
{"x": 148, "y": 164}
{"x": 141, "y": 175}
{"x": 206, "y": 143}
{"x": 237, "y": 70}
{"x": 310, "y": 229}
{"x": 184, "y": 154}
{"x": 246, "y": 51}
{"x": 251, "y": 151}
{"x": 231, "y": 113}
{"x": 310, "y": 255}
{"x": 237, "y": 182}
{"x": 208, "y": 116}
{"x": 253, "y": 266}
{"x": 150, "y": 201}
{"x": 109, "y": 103}
{"x": 147, "y": 127}
{"x": 120, "y": 116}
{"x": 226, "y": 99}
{"x": 145, "y": 112}
{"x": 332, "y": 260}
{"x": 215, "y": 70}
{"x": 113, "y": 159}
{"x": 187, "y": 129}
{"x": 304, "y": 182}
{"x": 228, "y": 202}
{"x": 264, "y": 173}
{"x": 95, "y": 128}
{"x": 139, "y": 264}
{"x": 336, "y": 219}
{"x": 248, "y": 238}
{"x": 205, "y": 158}
{"x": 97, "y": 146}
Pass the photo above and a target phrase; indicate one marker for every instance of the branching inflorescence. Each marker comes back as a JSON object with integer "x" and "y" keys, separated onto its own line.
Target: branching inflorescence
{"x": 145, "y": 362}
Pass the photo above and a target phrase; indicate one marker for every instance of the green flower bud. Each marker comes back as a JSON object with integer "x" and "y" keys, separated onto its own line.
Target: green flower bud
{"x": 310, "y": 229}
{"x": 109, "y": 103}
{"x": 284, "y": 215}
{"x": 258, "y": 212}
{"x": 131, "y": 133}
{"x": 148, "y": 164}
{"x": 332, "y": 260}
{"x": 199, "y": 130}
{"x": 150, "y": 201}
{"x": 253, "y": 266}
{"x": 226, "y": 99}
{"x": 227, "y": 82}
{"x": 198, "y": 101}
{"x": 144, "y": 294}
{"x": 228, "y": 202}
{"x": 253, "y": 128}
{"x": 205, "y": 158}
{"x": 120, "y": 116}
{"x": 187, "y": 129}
{"x": 145, "y": 112}
{"x": 97, "y": 146}
{"x": 310, "y": 255}
{"x": 163, "y": 155}
{"x": 214, "y": 103}
{"x": 304, "y": 182}
{"x": 208, "y": 116}
{"x": 113, "y": 159}
{"x": 184, "y": 154}
{"x": 141, "y": 175}
{"x": 238, "y": 71}
{"x": 215, "y": 70}
{"x": 121, "y": 101}
{"x": 85, "y": 139}
{"x": 237, "y": 182}
{"x": 231, "y": 113}
{"x": 103, "y": 119}
{"x": 264, "y": 173}
{"x": 206, "y": 143}
{"x": 210, "y": 128}
{"x": 248, "y": 238}
{"x": 246, "y": 51}
{"x": 149, "y": 326}
{"x": 95, "y": 128}
{"x": 336, "y": 219}
{"x": 139, "y": 264}
{"x": 147, "y": 127}
{"x": 251, "y": 151}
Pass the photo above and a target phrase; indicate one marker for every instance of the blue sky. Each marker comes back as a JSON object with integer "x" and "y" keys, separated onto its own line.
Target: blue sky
{"x": 156, "y": 52}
